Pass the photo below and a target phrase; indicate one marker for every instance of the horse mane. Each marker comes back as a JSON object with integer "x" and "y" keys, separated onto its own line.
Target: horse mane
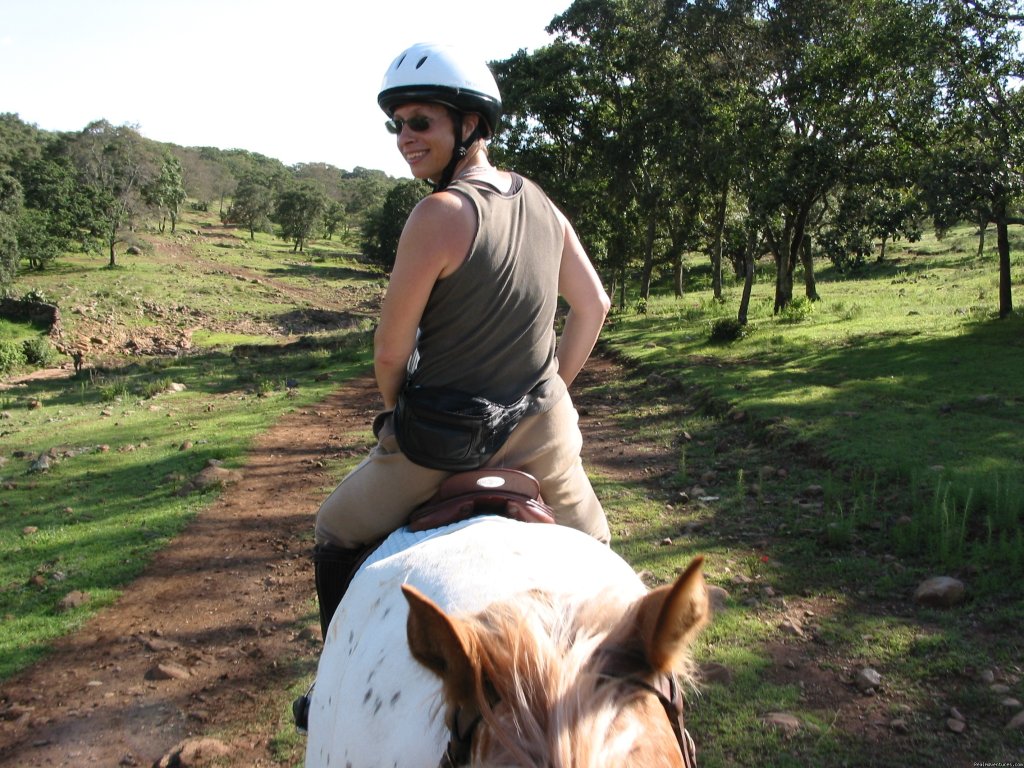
{"x": 540, "y": 665}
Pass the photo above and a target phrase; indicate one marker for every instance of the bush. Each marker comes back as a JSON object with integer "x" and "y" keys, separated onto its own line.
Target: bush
{"x": 37, "y": 351}
{"x": 12, "y": 355}
{"x": 727, "y": 329}
{"x": 799, "y": 308}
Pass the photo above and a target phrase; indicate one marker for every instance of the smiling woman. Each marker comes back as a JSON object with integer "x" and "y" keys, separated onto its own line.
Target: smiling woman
{"x": 466, "y": 356}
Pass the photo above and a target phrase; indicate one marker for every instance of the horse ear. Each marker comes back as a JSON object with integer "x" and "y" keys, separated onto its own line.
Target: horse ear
{"x": 441, "y": 644}
{"x": 670, "y": 617}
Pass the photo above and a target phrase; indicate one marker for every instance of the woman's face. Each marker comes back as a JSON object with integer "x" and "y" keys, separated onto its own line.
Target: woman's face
{"x": 426, "y": 151}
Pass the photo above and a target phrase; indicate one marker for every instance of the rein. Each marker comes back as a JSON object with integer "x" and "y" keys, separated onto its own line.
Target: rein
{"x": 619, "y": 665}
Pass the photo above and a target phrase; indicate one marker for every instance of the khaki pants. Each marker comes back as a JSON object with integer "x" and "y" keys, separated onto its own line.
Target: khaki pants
{"x": 377, "y": 496}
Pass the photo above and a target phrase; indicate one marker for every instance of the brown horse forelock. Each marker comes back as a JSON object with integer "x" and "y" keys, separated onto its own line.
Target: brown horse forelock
{"x": 542, "y": 697}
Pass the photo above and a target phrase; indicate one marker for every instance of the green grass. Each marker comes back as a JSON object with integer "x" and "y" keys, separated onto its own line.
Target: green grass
{"x": 900, "y": 371}
{"x": 110, "y": 497}
{"x": 844, "y": 451}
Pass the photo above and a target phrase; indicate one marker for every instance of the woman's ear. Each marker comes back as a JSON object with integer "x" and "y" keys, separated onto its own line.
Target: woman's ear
{"x": 470, "y": 122}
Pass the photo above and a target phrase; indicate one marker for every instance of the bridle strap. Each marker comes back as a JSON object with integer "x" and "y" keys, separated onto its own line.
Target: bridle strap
{"x": 670, "y": 695}
{"x": 626, "y": 666}
{"x": 460, "y": 741}
{"x": 620, "y": 665}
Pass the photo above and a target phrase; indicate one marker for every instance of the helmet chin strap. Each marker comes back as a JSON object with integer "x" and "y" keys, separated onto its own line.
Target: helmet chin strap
{"x": 458, "y": 153}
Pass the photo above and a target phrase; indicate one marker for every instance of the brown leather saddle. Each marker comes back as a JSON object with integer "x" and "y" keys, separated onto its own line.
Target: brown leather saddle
{"x": 506, "y": 492}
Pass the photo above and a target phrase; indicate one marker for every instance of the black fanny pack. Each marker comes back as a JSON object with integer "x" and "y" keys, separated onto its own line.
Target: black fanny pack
{"x": 446, "y": 429}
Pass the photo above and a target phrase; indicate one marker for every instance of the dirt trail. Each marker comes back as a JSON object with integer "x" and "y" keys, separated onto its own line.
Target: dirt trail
{"x": 220, "y": 617}
{"x": 220, "y": 613}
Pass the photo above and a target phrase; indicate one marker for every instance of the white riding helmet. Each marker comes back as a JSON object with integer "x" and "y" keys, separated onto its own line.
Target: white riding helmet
{"x": 441, "y": 74}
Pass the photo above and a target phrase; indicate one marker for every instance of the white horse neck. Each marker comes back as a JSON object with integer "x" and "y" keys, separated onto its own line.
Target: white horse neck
{"x": 373, "y": 705}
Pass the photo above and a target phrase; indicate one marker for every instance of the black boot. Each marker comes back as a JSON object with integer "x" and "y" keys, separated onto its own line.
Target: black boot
{"x": 333, "y": 569}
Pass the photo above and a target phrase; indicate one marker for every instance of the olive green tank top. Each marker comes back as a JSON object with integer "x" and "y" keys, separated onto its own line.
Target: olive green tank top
{"x": 488, "y": 327}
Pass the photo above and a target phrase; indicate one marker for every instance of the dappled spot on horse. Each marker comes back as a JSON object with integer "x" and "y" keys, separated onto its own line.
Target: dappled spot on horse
{"x": 515, "y": 644}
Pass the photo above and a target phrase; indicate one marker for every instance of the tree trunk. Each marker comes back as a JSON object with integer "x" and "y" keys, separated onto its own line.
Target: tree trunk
{"x": 716, "y": 248}
{"x": 982, "y": 228}
{"x": 748, "y": 275}
{"x": 786, "y": 257}
{"x": 783, "y": 278}
{"x": 112, "y": 241}
{"x": 1005, "y": 287}
{"x": 807, "y": 259}
{"x": 648, "y": 271}
{"x": 622, "y": 289}
{"x": 881, "y": 250}
{"x": 678, "y": 275}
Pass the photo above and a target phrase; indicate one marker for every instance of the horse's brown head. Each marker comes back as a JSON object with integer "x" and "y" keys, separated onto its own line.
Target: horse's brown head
{"x": 545, "y": 683}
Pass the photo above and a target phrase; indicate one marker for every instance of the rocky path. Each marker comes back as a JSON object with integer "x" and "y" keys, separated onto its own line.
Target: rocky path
{"x": 221, "y": 618}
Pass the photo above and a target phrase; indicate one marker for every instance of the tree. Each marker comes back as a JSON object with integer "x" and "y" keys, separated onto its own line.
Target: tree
{"x": 334, "y": 216}
{"x": 299, "y": 211}
{"x": 166, "y": 192}
{"x": 361, "y": 192}
{"x": 643, "y": 118}
{"x": 10, "y": 210}
{"x": 252, "y": 204}
{"x": 37, "y": 242}
{"x": 56, "y": 210}
{"x": 728, "y": 59}
{"x": 326, "y": 176}
{"x": 116, "y": 164}
{"x": 976, "y": 174}
{"x": 607, "y": 119}
{"x": 384, "y": 226}
{"x": 549, "y": 133}
{"x": 20, "y": 143}
{"x": 846, "y": 80}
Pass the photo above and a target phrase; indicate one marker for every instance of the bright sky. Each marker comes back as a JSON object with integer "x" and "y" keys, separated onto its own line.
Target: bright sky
{"x": 296, "y": 80}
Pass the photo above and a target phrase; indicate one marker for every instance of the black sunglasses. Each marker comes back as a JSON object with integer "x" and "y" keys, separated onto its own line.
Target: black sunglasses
{"x": 417, "y": 123}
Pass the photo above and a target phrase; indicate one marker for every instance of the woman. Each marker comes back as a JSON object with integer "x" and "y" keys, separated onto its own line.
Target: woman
{"x": 470, "y": 308}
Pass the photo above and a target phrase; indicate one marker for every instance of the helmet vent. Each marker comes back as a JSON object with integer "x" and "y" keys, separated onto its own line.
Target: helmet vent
{"x": 421, "y": 62}
{"x": 399, "y": 62}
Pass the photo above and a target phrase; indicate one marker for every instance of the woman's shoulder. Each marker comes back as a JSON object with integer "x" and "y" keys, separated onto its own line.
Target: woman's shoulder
{"x": 442, "y": 209}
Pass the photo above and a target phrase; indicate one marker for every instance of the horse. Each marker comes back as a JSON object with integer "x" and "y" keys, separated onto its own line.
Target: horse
{"x": 492, "y": 642}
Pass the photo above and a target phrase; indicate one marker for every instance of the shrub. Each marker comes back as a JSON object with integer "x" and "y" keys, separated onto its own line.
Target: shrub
{"x": 156, "y": 387}
{"x": 12, "y": 355}
{"x": 727, "y": 329}
{"x": 37, "y": 351}
{"x": 799, "y": 308}
{"x": 114, "y": 390}
{"x": 35, "y": 296}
